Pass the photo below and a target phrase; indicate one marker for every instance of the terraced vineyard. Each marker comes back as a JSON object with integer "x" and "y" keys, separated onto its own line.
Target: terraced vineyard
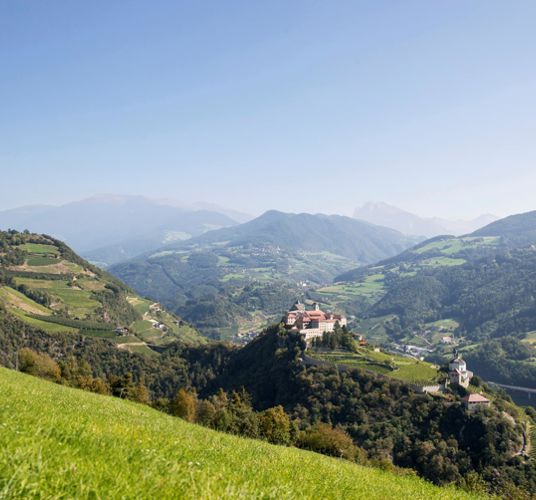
{"x": 46, "y": 285}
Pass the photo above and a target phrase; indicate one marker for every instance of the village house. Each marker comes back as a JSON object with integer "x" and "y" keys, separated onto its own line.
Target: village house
{"x": 458, "y": 372}
{"x": 475, "y": 401}
{"x": 311, "y": 323}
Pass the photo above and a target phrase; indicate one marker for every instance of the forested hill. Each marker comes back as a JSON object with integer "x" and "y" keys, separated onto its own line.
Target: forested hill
{"x": 238, "y": 279}
{"x": 45, "y": 284}
{"x": 384, "y": 416}
{"x": 344, "y": 236}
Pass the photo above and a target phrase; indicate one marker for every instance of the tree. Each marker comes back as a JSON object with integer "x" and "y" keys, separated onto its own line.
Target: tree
{"x": 140, "y": 394}
{"x": 184, "y": 405}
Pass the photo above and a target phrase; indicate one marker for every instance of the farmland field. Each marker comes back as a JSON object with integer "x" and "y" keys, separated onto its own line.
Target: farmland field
{"x": 41, "y": 260}
{"x": 44, "y": 325}
{"x": 442, "y": 261}
{"x": 79, "y": 302}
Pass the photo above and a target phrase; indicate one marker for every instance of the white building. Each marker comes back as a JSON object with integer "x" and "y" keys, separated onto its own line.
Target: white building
{"x": 458, "y": 372}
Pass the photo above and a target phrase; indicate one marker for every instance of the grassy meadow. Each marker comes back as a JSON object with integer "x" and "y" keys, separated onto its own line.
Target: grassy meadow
{"x": 57, "y": 442}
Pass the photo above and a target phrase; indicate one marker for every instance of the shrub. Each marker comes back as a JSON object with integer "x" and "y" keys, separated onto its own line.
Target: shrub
{"x": 325, "y": 439}
{"x": 274, "y": 426}
{"x": 38, "y": 364}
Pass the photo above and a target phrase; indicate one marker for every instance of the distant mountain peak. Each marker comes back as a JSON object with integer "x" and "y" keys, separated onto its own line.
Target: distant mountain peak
{"x": 384, "y": 214}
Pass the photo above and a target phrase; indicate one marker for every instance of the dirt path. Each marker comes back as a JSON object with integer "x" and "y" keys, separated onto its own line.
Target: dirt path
{"x": 126, "y": 345}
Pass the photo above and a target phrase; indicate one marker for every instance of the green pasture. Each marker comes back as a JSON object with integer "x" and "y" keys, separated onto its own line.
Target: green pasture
{"x": 58, "y": 442}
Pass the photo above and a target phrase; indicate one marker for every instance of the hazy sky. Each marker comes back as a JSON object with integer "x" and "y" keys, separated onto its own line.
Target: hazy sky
{"x": 310, "y": 106}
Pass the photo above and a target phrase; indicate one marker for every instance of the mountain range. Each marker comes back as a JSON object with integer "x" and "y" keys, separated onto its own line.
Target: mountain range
{"x": 387, "y": 215}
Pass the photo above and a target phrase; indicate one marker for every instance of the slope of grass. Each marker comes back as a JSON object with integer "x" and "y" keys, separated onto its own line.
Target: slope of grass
{"x": 60, "y": 442}
{"x": 400, "y": 367}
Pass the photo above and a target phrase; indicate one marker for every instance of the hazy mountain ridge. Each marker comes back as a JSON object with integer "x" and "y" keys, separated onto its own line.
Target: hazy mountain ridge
{"x": 408, "y": 223}
{"x": 110, "y": 228}
{"x": 338, "y": 234}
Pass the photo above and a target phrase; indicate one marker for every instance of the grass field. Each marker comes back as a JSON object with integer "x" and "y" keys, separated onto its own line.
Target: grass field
{"x": 91, "y": 284}
{"x": 399, "y": 367}
{"x": 530, "y": 338}
{"x": 145, "y": 330}
{"x": 57, "y": 442}
{"x": 533, "y": 441}
{"x": 39, "y": 248}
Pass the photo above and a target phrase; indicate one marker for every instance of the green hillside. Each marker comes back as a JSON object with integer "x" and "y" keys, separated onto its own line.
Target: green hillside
{"x": 46, "y": 285}
{"x": 475, "y": 292}
{"x": 234, "y": 280}
{"x": 49, "y": 448}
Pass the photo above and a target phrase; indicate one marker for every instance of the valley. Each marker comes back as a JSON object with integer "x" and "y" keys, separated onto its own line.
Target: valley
{"x": 85, "y": 329}
{"x": 234, "y": 281}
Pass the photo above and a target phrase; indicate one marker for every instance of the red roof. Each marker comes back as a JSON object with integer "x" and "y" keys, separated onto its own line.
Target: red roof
{"x": 476, "y": 398}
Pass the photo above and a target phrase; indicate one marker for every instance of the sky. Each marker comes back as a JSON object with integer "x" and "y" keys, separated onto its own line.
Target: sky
{"x": 295, "y": 105}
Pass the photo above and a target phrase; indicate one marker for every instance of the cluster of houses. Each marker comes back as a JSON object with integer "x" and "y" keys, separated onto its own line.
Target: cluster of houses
{"x": 458, "y": 375}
